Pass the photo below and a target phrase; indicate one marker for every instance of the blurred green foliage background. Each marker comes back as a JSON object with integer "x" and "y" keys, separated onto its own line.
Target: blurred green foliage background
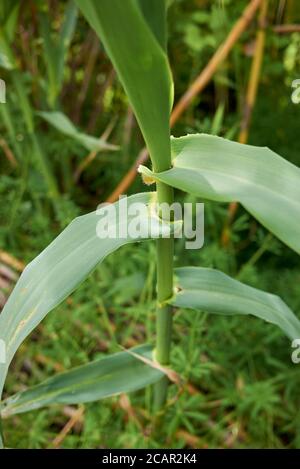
{"x": 241, "y": 388}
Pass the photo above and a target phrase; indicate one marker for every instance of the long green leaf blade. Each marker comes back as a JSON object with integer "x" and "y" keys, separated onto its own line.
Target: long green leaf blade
{"x": 267, "y": 185}
{"x": 65, "y": 37}
{"x": 50, "y": 55}
{"x": 141, "y": 63}
{"x": 215, "y": 292}
{"x": 66, "y": 262}
{"x": 154, "y": 12}
{"x": 109, "y": 376}
{"x": 56, "y": 48}
{"x": 63, "y": 124}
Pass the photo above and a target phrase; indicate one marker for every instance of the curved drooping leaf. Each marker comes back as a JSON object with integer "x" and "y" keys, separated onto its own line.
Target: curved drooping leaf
{"x": 267, "y": 185}
{"x": 62, "y": 123}
{"x": 215, "y": 292}
{"x": 68, "y": 260}
{"x": 109, "y": 376}
{"x": 134, "y": 46}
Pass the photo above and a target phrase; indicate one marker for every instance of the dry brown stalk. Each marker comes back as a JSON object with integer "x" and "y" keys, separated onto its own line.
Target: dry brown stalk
{"x": 286, "y": 28}
{"x": 76, "y": 417}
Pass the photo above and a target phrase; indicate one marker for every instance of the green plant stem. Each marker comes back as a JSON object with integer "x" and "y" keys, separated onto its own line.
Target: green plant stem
{"x": 165, "y": 254}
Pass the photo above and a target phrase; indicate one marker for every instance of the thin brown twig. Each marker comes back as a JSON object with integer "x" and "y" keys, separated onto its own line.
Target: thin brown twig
{"x": 10, "y": 260}
{"x": 171, "y": 374}
{"x": 190, "y": 440}
{"x": 8, "y": 153}
{"x": 286, "y": 28}
{"x": 197, "y": 86}
{"x": 99, "y": 101}
{"x": 125, "y": 404}
{"x": 92, "y": 155}
{"x": 4, "y": 284}
{"x": 76, "y": 417}
{"x": 8, "y": 276}
{"x": 88, "y": 71}
{"x": 8, "y": 273}
{"x": 129, "y": 176}
{"x": 203, "y": 79}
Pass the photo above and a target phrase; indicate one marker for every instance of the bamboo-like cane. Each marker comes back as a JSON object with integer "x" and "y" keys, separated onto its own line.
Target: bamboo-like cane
{"x": 286, "y": 28}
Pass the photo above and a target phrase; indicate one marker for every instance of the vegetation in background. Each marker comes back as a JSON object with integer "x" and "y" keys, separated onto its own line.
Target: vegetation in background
{"x": 239, "y": 385}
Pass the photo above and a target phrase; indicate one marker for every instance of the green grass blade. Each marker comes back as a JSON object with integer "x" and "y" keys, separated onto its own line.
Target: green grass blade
{"x": 7, "y": 8}
{"x": 215, "y": 292}
{"x": 109, "y": 376}
{"x": 267, "y": 185}
{"x": 55, "y": 49}
{"x": 65, "y": 38}
{"x": 50, "y": 55}
{"x": 218, "y": 119}
{"x": 64, "y": 264}
{"x": 63, "y": 124}
{"x": 141, "y": 63}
